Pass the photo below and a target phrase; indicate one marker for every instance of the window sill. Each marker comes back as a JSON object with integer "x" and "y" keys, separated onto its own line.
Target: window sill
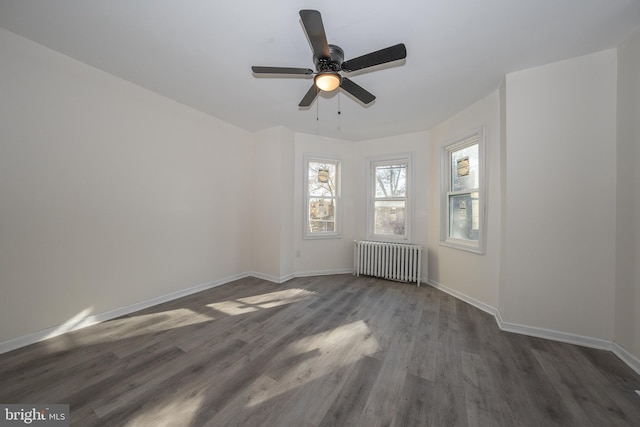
{"x": 463, "y": 246}
{"x": 389, "y": 238}
{"x": 322, "y": 236}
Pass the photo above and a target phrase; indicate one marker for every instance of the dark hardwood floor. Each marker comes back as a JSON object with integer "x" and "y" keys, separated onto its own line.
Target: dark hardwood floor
{"x": 319, "y": 351}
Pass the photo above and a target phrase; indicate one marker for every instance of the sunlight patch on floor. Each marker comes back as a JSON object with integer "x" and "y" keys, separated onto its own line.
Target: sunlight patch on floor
{"x": 143, "y": 324}
{"x": 262, "y": 301}
{"x": 129, "y": 327}
{"x": 179, "y": 412}
{"x": 334, "y": 349}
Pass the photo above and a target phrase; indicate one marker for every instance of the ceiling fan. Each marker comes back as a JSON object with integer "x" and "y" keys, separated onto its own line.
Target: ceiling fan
{"x": 329, "y": 63}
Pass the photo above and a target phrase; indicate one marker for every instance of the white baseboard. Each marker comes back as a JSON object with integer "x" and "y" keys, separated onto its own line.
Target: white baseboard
{"x": 290, "y": 276}
{"x": 323, "y": 272}
{"x": 554, "y": 335}
{"x": 270, "y": 278}
{"x": 81, "y": 321}
{"x": 632, "y": 361}
{"x": 628, "y": 358}
{"x": 474, "y": 302}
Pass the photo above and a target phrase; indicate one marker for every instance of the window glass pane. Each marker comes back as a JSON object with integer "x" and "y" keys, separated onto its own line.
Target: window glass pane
{"x": 322, "y": 226}
{"x": 464, "y": 216}
{"x": 322, "y": 179}
{"x": 322, "y": 215}
{"x": 322, "y": 189}
{"x": 389, "y": 217}
{"x": 391, "y": 180}
{"x": 464, "y": 168}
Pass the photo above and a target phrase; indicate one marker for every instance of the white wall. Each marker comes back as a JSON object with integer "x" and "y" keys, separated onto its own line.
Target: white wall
{"x": 560, "y": 196}
{"x": 109, "y": 194}
{"x": 321, "y": 256}
{"x": 415, "y": 143}
{"x": 474, "y": 275}
{"x": 272, "y": 205}
{"x": 627, "y": 303}
{"x": 325, "y": 256}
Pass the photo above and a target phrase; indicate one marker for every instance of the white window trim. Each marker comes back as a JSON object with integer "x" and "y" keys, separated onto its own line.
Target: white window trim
{"x": 337, "y": 233}
{"x": 408, "y": 229}
{"x": 478, "y": 247}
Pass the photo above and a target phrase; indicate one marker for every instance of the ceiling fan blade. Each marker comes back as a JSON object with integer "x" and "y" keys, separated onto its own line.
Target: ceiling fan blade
{"x": 356, "y": 90}
{"x": 311, "y": 96}
{"x": 378, "y": 57}
{"x": 312, "y": 22}
{"x": 281, "y": 70}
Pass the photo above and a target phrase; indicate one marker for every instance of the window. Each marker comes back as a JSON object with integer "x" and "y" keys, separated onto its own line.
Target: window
{"x": 462, "y": 194}
{"x": 322, "y": 179}
{"x": 389, "y": 213}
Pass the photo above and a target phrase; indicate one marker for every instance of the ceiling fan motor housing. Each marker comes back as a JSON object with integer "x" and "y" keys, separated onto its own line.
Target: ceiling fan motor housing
{"x": 334, "y": 63}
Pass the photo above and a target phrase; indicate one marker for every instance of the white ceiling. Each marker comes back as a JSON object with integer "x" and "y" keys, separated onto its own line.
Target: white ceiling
{"x": 199, "y": 52}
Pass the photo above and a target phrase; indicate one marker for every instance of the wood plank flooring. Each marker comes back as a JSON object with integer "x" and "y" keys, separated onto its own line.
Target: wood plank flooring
{"x": 319, "y": 351}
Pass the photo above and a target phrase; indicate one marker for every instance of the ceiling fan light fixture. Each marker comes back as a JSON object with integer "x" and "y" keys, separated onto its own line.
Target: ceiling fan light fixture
{"x": 328, "y": 81}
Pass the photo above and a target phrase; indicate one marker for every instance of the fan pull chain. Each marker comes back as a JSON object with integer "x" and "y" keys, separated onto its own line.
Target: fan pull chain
{"x": 317, "y": 117}
{"x": 339, "y": 114}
